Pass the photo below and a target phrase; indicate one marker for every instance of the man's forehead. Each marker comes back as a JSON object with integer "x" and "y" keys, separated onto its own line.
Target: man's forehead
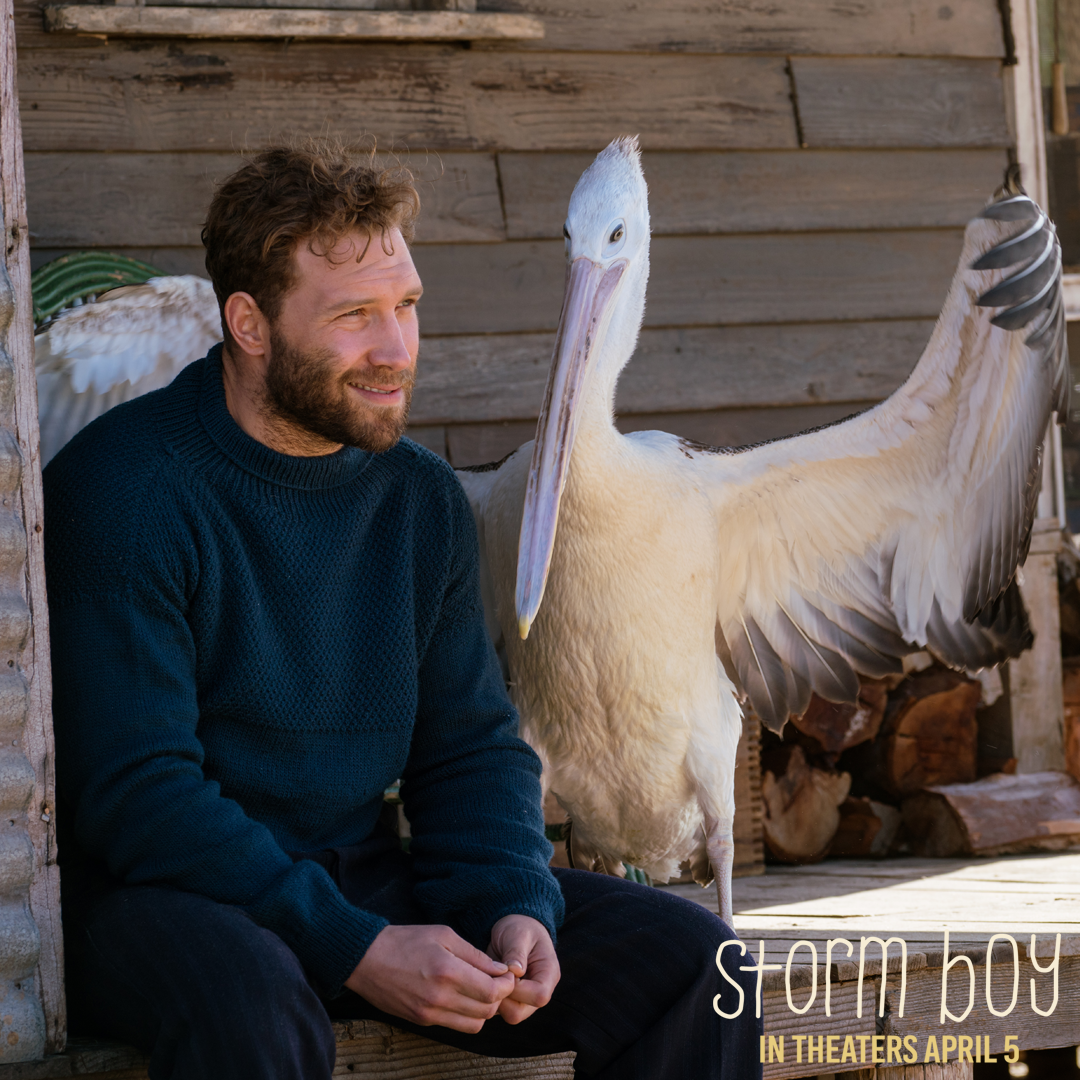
{"x": 356, "y": 257}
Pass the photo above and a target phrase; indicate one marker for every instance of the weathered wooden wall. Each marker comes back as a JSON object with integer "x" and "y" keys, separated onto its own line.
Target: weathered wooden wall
{"x": 810, "y": 165}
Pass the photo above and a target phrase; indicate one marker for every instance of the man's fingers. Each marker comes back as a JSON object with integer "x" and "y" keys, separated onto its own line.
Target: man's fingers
{"x": 513, "y": 1012}
{"x": 517, "y": 960}
{"x": 453, "y": 978}
{"x": 460, "y": 948}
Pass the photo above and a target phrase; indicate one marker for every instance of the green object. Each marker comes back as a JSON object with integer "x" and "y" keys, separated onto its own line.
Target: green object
{"x": 555, "y": 833}
{"x": 634, "y": 874}
{"x": 58, "y": 284}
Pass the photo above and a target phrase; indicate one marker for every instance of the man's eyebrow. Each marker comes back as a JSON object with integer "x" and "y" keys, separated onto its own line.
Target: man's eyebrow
{"x": 415, "y": 292}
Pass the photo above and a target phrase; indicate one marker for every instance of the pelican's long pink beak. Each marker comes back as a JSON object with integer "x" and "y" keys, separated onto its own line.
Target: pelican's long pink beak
{"x": 589, "y": 289}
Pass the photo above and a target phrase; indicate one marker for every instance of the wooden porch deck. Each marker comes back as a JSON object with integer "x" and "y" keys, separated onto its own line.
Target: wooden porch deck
{"x": 916, "y": 899}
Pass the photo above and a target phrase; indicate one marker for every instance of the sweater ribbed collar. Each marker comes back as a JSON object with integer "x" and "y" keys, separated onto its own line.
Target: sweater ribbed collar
{"x": 285, "y": 470}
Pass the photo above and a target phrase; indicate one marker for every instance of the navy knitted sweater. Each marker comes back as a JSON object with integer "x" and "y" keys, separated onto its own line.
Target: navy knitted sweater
{"x": 249, "y": 647}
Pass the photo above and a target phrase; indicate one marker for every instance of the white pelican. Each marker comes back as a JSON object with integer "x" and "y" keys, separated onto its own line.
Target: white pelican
{"x": 130, "y": 341}
{"x": 656, "y": 579}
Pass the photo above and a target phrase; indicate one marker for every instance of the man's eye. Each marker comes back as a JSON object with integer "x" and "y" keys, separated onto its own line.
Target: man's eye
{"x": 355, "y": 311}
{"x": 411, "y": 302}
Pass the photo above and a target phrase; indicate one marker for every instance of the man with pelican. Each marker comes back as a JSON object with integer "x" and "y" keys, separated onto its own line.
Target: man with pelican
{"x": 265, "y": 608}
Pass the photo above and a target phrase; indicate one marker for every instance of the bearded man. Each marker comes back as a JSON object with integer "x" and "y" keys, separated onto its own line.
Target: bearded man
{"x": 265, "y": 609}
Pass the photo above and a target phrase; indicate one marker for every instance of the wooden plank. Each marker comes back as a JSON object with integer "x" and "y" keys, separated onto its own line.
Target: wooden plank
{"x": 34, "y": 712}
{"x": 184, "y": 260}
{"x": 381, "y": 1052}
{"x": 225, "y": 95}
{"x": 502, "y": 376}
{"x": 871, "y": 27}
{"x": 752, "y": 192}
{"x": 780, "y": 1021}
{"x": 875, "y": 27}
{"x": 364, "y": 1049}
{"x": 144, "y": 200}
{"x": 702, "y": 281}
{"x": 476, "y": 444}
{"x": 431, "y": 436}
{"x": 1035, "y": 680}
{"x": 204, "y": 22}
{"x": 922, "y": 1007}
{"x": 516, "y": 287}
{"x": 893, "y": 102}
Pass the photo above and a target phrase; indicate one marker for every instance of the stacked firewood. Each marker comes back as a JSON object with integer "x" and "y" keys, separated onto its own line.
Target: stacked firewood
{"x": 917, "y": 766}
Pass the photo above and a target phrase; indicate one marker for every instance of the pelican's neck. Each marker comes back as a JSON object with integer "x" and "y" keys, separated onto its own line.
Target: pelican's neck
{"x": 614, "y": 350}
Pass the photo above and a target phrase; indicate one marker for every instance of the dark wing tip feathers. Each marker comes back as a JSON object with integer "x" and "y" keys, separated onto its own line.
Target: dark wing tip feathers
{"x": 1034, "y": 288}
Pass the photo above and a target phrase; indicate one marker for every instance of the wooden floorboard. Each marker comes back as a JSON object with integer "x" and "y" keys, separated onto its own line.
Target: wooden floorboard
{"x": 916, "y": 899}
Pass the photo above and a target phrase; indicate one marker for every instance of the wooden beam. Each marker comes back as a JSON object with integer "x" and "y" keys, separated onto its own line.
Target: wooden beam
{"x": 502, "y": 376}
{"x": 869, "y": 28}
{"x": 226, "y": 95}
{"x": 296, "y": 23}
{"x": 149, "y": 200}
{"x": 750, "y": 192}
{"x": 700, "y": 281}
{"x": 900, "y": 102}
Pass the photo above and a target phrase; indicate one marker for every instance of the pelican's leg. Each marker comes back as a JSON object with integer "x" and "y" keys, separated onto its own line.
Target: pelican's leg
{"x": 720, "y": 844}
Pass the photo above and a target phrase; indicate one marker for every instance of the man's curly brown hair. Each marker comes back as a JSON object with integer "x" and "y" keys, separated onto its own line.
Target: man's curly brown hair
{"x": 316, "y": 193}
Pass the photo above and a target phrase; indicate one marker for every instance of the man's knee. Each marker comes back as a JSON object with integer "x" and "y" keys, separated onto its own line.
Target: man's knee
{"x": 200, "y": 983}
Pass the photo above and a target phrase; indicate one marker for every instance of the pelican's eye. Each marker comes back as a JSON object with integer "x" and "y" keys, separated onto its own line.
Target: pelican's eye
{"x": 566, "y": 240}
{"x": 615, "y": 239}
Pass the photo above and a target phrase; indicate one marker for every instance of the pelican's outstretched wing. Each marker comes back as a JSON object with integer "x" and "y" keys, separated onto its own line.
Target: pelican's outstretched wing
{"x": 844, "y": 548}
{"x": 130, "y": 341}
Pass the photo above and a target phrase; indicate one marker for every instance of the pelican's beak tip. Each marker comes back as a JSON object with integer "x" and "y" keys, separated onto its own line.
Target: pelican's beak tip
{"x": 524, "y": 625}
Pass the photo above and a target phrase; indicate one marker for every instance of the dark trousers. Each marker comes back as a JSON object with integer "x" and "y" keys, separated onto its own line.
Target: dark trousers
{"x": 210, "y": 995}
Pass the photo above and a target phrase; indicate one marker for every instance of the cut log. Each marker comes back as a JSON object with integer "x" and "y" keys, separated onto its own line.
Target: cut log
{"x": 1071, "y": 694}
{"x": 839, "y": 727}
{"x": 801, "y": 806}
{"x": 929, "y": 736}
{"x": 999, "y": 815}
{"x": 867, "y": 829}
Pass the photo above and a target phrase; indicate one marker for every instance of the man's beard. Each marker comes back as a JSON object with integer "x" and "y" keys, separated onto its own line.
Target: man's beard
{"x": 301, "y": 387}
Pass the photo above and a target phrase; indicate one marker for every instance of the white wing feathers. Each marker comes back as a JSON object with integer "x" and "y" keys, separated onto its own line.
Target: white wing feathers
{"x": 133, "y": 340}
{"x": 844, "y": 548}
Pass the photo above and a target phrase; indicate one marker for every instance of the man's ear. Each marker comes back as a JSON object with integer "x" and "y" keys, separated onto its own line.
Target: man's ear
{"x": 247, "y": 324}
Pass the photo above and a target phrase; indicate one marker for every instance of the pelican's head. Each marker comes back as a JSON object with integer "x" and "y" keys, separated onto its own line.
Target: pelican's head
{"x": 607, "y": 256}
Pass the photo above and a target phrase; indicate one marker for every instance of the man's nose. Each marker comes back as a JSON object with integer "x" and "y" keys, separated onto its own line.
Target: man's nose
{"x": 390, "y": 349}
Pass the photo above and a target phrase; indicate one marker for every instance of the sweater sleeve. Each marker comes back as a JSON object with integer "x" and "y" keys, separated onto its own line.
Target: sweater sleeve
{"x": 129, "y": 758}
{"x": 472, "y": 786}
